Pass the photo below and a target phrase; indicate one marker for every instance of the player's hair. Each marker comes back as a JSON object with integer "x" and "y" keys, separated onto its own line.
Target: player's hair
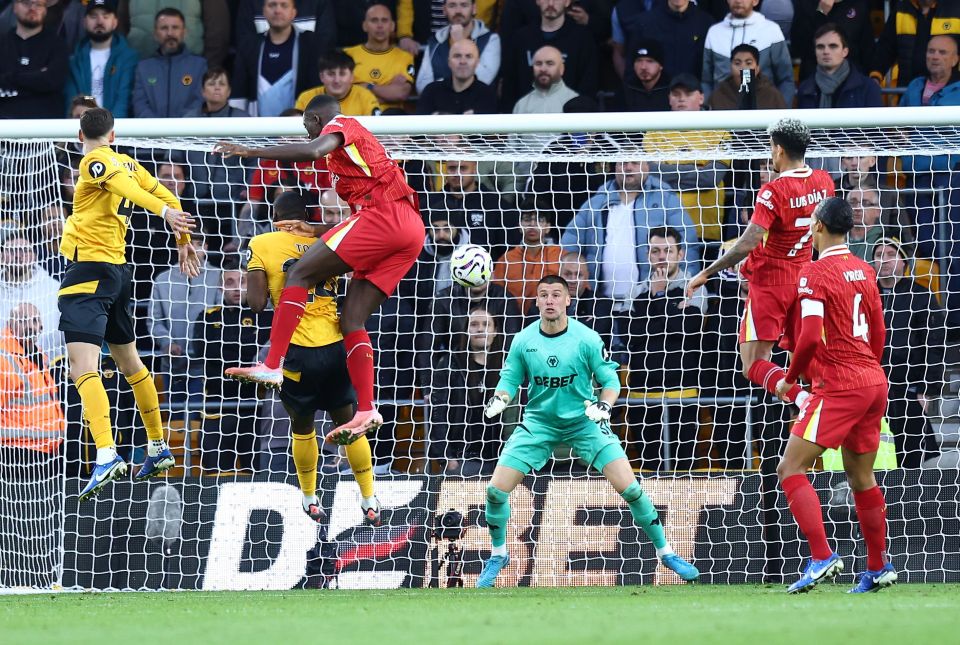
{"x": 553, "y": 278}
{"x": 836, "y": 215}
{"x": 792, "y": 135}
{"x": 321, "y": 103}
{"x": 666, "y": 232}
{"x": 292, "y": 112}
{"x": 290, "y": 204}
{"x": 746, "y": 48}
{"x": 831, "y": 28}
{"x": 170, "y": 12}
{"x": 96, "y": 123}
{"x": 335, "y": 59}
{"x": 215, "y": 72}
{"x": 82, "y": 100}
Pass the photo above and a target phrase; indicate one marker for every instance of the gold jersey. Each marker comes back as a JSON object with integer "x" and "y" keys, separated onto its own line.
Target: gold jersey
{"x": 274, "y": 254}
{"x": 359, "y": 101}
{"x": 380, "y": 68}
{"x": 109, "y": 186}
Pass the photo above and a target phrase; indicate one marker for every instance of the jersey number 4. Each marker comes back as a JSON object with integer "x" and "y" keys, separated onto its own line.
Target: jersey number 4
{"x": 860, "y": 327}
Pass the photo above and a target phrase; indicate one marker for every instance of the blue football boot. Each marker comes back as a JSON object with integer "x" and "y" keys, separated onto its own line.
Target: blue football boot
{"x": 871, "y": 581}
{"x": 491, "y": 569}
{"x": 102, "y": 475}
{"x": 153, "y": 466}
{"x": 680, "y": 567}
{"x": 815, "y": 572}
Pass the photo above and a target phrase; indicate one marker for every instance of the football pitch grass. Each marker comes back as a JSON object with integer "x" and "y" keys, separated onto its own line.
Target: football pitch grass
{"x": 674, "y": 615}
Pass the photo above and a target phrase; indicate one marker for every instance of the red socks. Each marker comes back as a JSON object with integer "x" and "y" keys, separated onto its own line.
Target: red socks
{"x": 805, "y": 506}
{"x": 360, "y": 366}
{"x": 767, "y": 375}
{"x": 293, "y": 300}
{"x": 872, "y": 513}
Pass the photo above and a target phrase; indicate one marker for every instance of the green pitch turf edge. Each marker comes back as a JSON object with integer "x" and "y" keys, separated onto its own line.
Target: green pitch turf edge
{"x": 688, "y": 615}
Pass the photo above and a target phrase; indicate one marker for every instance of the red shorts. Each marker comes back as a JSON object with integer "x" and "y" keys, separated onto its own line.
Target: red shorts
{"x": 849, "y": 418}
{"x": 772, "y": 313}
{"x": 379, "y": 242}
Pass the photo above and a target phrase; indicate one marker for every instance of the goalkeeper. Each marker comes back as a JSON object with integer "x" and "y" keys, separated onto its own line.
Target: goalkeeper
{"x": 559, "y": 358}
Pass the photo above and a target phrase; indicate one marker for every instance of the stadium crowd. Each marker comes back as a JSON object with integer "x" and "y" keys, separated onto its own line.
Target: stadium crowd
{"x": 627, "y": 235}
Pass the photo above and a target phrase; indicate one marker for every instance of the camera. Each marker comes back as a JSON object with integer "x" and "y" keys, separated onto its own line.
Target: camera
{"x": 448, "y": 526}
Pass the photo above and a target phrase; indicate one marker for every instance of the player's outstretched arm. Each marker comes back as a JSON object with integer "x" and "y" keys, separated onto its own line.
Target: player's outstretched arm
{"x": 308, "y": 151}
{"x": 747, "y": 242}
{"x": 188, "y": 259}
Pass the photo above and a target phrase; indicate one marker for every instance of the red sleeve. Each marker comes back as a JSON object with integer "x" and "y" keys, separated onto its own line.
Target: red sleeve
{"x": 811, "y": 330}
{"x": 878, "y": 329}
{"x": 765, "y": 208}
{"x": 349, "y": 129}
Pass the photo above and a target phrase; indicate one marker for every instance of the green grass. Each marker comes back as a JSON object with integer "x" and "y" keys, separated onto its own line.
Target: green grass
{"x": 747, "y": 614}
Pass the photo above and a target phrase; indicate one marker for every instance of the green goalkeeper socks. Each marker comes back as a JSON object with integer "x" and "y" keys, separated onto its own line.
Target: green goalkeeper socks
{"x": 498, "y": 514}
{"x": 644, "y": 514}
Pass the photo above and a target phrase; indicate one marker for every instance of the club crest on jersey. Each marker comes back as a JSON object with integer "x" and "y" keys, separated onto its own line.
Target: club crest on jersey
{"x": 552, "y": 361}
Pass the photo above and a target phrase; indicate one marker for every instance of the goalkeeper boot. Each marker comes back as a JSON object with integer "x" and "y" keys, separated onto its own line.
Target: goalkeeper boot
{"x": 491, "y": 568}
{"x": 680, "y": 567}
{"x": 371, "y": 511}
{"x": 153, "y": 466}
{"x": 259, "y": 374}
{"x": 102, "y": 475}
{"x": 314, "y": 511}
{"x": 816, "y": 572}
{"x": 871, "y": 581}
{"x": 361, "y": 423}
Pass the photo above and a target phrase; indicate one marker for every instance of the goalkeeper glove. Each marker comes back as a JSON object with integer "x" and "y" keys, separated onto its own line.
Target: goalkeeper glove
{"x": 496, "y": 405}
{"x": 597, "y": 411}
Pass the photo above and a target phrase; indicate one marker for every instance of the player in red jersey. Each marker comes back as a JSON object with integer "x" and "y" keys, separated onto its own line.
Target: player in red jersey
{"x": 839, "y": 349}
{"x": 776, "y": 245}
{"x": 379, "y": 243}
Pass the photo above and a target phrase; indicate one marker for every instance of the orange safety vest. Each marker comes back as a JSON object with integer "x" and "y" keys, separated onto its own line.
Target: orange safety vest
{"x": 521, "y": 268}
{"x": 30, "y": 415}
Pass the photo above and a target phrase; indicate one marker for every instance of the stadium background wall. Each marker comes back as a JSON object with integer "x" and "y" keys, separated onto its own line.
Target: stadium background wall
{"x": 251, "y": 534}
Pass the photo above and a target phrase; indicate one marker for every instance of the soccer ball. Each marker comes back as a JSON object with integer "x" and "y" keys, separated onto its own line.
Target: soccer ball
{"x": 471, "y": 266}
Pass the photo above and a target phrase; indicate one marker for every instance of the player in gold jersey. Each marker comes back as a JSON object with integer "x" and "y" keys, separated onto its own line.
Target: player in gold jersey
{"x": 315, "y": 373}
{"x": 94, "y": 294}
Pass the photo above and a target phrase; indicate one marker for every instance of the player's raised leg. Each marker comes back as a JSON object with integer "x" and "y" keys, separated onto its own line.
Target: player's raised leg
{"x": 620, "y": 475}
{"x": 872, "y": 515}
{"x": 504, "y": 480}
{"x": 798, "y": 458}
{"x": 762, "y": 372}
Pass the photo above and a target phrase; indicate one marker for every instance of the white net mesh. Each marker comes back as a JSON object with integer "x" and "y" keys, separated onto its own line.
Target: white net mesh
{"x": 706, "y": 442}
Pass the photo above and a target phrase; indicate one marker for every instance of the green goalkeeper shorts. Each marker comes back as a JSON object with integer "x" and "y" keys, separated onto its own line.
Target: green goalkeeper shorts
{"x": 531, "y": 445}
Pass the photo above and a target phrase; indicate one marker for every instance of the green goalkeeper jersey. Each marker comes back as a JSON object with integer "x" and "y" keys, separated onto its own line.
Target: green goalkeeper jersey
{"x": 560, "y": 370}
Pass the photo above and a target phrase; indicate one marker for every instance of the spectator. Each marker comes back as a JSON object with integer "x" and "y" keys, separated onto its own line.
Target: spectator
{"x": 836, "y": 83}
{"x": 462, "y": 24}
{"x": 50, "y": 230}
{"x": 867, "y": 228}
{"x": 417, "y": 20}
{"x": 176, "y": 301}
{"x": 461, "y": 92}
{"x": 679, "y": 26}
{"x": 22, "y": 279}
{"x": 573, "y": 40}
{"x": 665, "y": 346}
{"x": 941, "y": 85}
{"x": 744, "y": 25}
{"x": 594, "y": 312}
{"x": 431, "y": 273}
{"x": 385, "y": 70}
{"x": 209, "y": 22}
{"x": 334, "y": 210}
{"x": 462, "y": 439}
{"x": 856, "y": 172}
{"x": 756, "y": 92}
{"x": 349, "y": 16}
{"x": 521, "y": 268}
{"x": 80, "y": 104}
{"x": 478, "y": 211}
{"x": 336, "y": 75}
{"x": 699, "y": 182}
{"x": 103, "y": 65}
{"x": 33, "y": 66}
{"x": 216, "y": 96}
{"x": 549, "y": 92}
{"x": 647, "y": 89}
{"x": 274, "y": 68}
{"x": 517, "y": 14}
{"x": 226, "y": 334}
{"x": 166, "y": 84}
{"x": 65, "y": 18}
{"x": 30, "y": 413}
{"x": 316, "y": 17}
{"x": 914, "y": 353}
{"x": 852, "y": 18}
{"x": 610, "y": 231}
{"x": 903, "y": 41}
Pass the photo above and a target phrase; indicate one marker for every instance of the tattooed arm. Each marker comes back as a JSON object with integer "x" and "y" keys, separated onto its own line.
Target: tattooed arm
{"x": 734, "y": 255}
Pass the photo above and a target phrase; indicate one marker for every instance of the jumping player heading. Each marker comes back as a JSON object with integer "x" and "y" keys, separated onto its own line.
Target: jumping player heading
{"x": 379, "y": 243}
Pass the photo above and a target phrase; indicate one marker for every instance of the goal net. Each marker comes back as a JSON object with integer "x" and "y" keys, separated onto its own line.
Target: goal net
{"x": 625, "y": 207}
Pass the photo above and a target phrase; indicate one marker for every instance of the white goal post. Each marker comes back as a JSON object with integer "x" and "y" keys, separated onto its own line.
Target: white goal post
{"x": 704, "y": 441}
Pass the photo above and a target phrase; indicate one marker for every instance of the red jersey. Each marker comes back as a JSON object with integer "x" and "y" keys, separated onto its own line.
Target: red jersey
{"x": 842, "y": 288}
{"x": 783, "y": 208}
{"x": 363, "y": 173}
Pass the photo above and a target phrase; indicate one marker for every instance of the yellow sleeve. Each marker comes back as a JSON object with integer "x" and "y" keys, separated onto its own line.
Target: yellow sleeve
{"x": 254, "y": 260}
{"x": 404, "y": 19}
{"x": 122, "y": 184}
{"x": 152, "y": 185}
{"x": 305, "y": 96}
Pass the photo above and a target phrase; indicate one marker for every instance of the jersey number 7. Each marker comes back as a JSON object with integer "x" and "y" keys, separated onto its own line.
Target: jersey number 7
{"x": 801, "y": 222}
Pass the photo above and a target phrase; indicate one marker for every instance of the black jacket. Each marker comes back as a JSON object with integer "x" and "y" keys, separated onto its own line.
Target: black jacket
{"x": 859, "y": 90}
{"x": 32, "y": 75}
{"x": 440, "y": 96}
{"x": 490, "y": 223}
{"x": 247, "y": 64}
{"x": 905, "y": 36}
{"x": 853, "y": 16}
{"x": 458, "y": 428}
{"x": 639, "y": 99}
{"x": 224, "y": 336}
{"x": 916, "y": 331}
{"x": 681, "y": 34}
{"x": 313, "y": 16}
